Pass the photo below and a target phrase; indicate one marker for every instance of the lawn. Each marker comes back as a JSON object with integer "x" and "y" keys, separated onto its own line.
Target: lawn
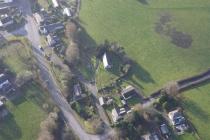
{"x": 16, "y": 57}
{"x": 26, "y": 113}
{"x": 196, "y": 105}
{"x": 45, "y": 3}
{"x": 158, "y": 57}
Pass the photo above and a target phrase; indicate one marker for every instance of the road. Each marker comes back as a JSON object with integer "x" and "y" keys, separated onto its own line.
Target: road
{"x": 46, "y": 75}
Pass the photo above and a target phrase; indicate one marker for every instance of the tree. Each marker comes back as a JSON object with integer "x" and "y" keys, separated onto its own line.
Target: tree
{"x": 172, "y": 88}
{"x": 48, "y": 126}
{"x": 163, "y": 99}
{"x": 71, "y": 31}
{"x": 23, "y": 77}
{"x": 73, "y": 54}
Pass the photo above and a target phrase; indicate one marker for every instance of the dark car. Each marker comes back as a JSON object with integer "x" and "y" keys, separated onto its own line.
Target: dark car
{"x": 165, "y": 131}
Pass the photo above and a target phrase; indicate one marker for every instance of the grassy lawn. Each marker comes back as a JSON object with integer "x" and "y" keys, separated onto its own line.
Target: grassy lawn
{"x": 23, "y": 123}
{"x": 132, "y": 23}
{"x": 45, "y": 3}
{"x": 16, "y": 57}
{"x": 197, "y": 108}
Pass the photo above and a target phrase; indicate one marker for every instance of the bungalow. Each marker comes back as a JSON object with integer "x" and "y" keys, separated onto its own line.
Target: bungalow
{"x": 51, "y": 28}
{"x": 6, "y": 21}
{"x": 178, "y": 121}
{"x": 128, "y": 92}
{"x": 55, "y": 3}
{"x": 106, "y": 61}
{"x": 117, "y": 114}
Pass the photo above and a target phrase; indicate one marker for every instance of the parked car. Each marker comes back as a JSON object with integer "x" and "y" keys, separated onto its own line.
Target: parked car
{"x": 165, "y": 131}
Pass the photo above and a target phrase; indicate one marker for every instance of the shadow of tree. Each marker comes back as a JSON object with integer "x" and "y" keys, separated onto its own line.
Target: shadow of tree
{"x": 31, "y": 92}
{"x": 140, "y": 73}
{"x": 9, "y": 130}
{"x": 196, "y": 110}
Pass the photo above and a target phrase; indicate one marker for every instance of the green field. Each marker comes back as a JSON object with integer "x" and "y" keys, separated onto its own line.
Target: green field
{"x": 16, "y": 57}
{"x": 26, "y": 113}
{"x": 197, "y": 108}
{"x": 133, "y": 24}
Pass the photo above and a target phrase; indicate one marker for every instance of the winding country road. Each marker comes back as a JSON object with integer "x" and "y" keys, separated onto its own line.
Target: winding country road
{"x": 46, "y": 75}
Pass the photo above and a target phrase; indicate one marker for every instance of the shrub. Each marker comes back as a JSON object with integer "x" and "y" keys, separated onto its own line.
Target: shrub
{"x": 157, "y": 106}
{"x": 163, "y": 99}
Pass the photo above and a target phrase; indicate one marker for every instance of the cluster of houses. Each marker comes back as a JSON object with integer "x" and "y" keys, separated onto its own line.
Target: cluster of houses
{"x": 118, "y": 112}
{"x": 9, "y": 16}
{"x": 50, "y": 24}
{"x": 176, "y": 119}
{"x": 49, "y": 27}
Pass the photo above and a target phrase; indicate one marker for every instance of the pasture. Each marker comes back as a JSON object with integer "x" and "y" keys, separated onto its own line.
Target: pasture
{"x": 167, "y": 40}
{"x": 26, "y": 114}
{"x": 196, "y": 104}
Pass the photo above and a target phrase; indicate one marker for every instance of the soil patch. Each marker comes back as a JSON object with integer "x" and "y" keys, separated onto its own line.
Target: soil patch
{"x": 178, "y": 38}
{"x": 181, "y": 39}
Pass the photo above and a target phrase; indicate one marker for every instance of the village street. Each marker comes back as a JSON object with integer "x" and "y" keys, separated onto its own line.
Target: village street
{"x": 30, "y": 30}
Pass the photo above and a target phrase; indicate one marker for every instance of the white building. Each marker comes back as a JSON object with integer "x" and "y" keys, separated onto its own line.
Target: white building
{"x": 106, "y": 62}
{"x": 77, "y": 90}
{"x": 67, "y": 12}
{"x": 6, "y": 1}
{"x": 55, "y": 3}
{"x": 101, "y": 101}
